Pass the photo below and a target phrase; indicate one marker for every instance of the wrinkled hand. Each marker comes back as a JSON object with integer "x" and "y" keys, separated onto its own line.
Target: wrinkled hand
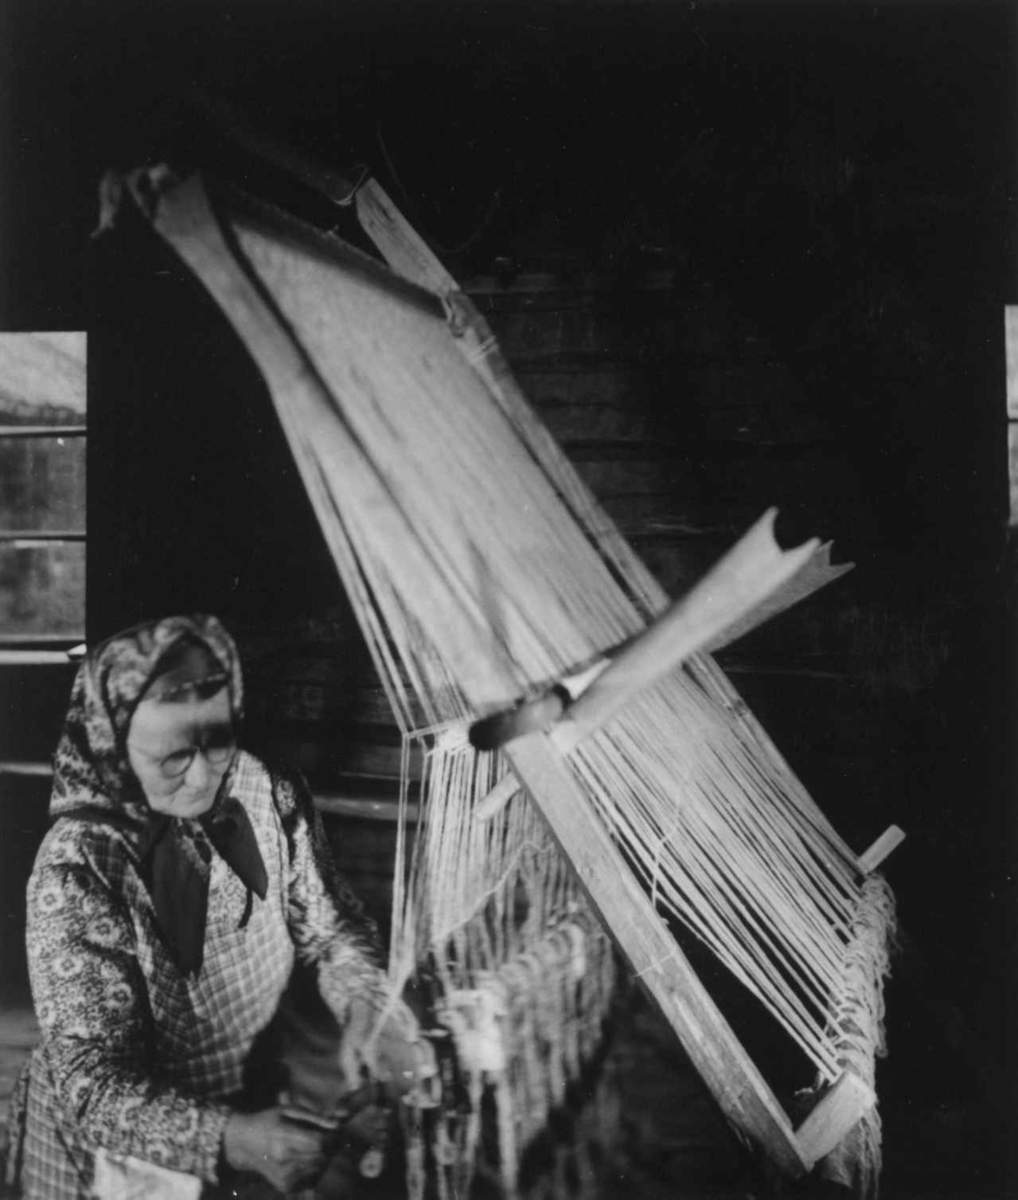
{"x": 286, "y": 1154}
{"x": 397, "y": 1054}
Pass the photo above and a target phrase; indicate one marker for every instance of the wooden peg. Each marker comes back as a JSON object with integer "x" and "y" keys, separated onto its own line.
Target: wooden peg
{"x": 848, "y": 1100}
{"x": 890, "y": 839}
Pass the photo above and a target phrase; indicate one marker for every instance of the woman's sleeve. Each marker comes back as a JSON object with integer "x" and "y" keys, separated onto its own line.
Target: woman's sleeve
{"x": 97, "y": 1028}
{"x": 327, "y": 922}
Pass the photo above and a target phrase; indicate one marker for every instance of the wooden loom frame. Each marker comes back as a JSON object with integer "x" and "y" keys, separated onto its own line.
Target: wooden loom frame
{"x": 741, "y": 1091}
{"x": 641, "y": 934}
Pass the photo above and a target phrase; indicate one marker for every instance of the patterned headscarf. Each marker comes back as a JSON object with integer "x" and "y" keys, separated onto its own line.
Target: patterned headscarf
{"x": 91, "y": 767}
{"x": 93, "y": 779}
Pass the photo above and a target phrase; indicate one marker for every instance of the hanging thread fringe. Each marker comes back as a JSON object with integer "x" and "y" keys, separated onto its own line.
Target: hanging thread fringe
{"x": 858, "y": 1034}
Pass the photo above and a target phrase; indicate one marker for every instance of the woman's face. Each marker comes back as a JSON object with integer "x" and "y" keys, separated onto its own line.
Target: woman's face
{"x": 180, "y": 750}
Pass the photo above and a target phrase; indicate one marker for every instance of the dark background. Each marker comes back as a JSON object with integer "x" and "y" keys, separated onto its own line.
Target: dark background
{"x": 841, "y": 174}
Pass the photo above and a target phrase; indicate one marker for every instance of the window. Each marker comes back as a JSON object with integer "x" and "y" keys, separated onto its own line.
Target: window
{"x": 42, "y": 493}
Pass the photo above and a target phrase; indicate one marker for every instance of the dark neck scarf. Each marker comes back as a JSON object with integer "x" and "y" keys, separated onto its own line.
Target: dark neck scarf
{"x": 175, "y": 863}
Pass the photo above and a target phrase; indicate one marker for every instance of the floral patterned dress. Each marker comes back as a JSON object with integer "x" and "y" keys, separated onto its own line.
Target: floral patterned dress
{"x": 137, "y": 1058}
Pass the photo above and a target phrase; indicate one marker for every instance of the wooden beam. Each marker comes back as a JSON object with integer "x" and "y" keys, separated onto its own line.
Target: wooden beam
{"x": 33, "y": 431}
{"x": 656, "y": 959}
{"x": 1012, "y": 473}
{"x": 35, "y": 658}
{"x": 1011, "y": 356}
{"x": 401, "y": 245}
{"x": 837, "y": 1111}
{"x": 1011, "y": 359}
{"x": 42, "y": 770}
{"x": 363, "y": 808}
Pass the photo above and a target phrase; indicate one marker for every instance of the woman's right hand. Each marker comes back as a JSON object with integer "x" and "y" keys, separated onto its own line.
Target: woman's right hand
{"x": 286, "y": 1154}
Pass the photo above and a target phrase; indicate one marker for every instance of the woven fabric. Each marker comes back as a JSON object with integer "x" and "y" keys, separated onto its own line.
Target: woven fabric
{"x": 137, "y": 1057}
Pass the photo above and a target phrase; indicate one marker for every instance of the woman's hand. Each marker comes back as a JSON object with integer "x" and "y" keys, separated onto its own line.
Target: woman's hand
{"x": 403, "y": 1058}
{"x": 286, "y": 1154}
{"x": 396, "y": 1054}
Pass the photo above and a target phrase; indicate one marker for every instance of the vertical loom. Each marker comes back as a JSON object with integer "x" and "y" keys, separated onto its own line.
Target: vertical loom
{"x": 716, "y": 831}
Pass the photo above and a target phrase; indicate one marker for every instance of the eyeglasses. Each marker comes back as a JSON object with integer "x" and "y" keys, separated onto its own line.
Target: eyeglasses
{"x": 217, "y": 749}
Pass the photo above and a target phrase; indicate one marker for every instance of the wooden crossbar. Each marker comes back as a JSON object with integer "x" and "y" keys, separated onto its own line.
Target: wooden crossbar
{"x": 835, "y": 1113}
{"x": 889, "y": 840}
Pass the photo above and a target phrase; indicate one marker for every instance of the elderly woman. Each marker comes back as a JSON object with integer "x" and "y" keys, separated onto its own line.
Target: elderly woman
{"x": 179, "y": 885}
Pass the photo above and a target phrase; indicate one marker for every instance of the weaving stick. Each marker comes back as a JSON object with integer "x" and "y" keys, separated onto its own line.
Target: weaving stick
{"x": 748, "y": 579}
{"x": 751, "y": 571}
{"x": 531, "y": 715}
{"x": 490, "y": 733}
{"x": 816, "y": 572}
{"x": 890, "y": 839}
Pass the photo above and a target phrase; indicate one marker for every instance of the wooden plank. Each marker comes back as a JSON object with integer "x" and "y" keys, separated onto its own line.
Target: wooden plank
{"x": 403, "y": 247}
{"x": 1012, "y": 472}
{"x": 890, "y": 839}
{"x": 39, "y": 770}
{"x": 656, "y": 960}
{"x": 837, "y": 1111}
{"x": 363, "y": 808}
{"x": 35, "y": 658}
{"x": 1011, "y": 357}
{"x": 33, "y": 431}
